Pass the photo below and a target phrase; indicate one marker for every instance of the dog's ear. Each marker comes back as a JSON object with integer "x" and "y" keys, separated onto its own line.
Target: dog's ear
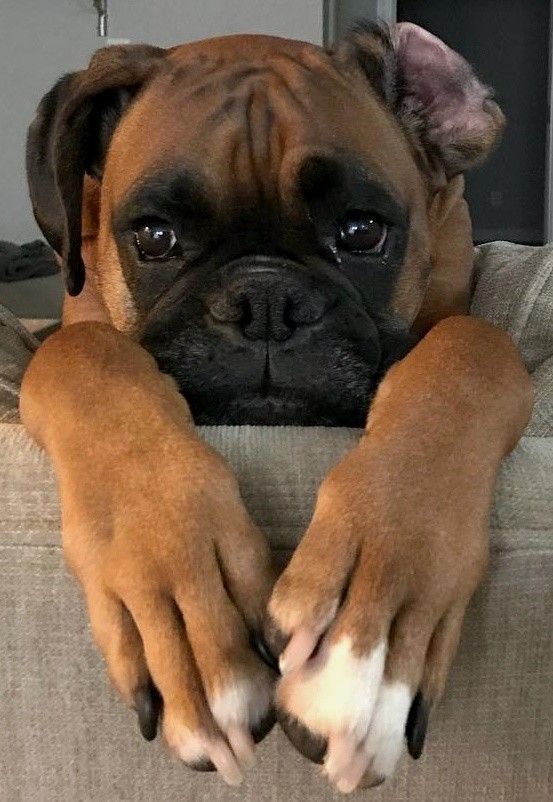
{"x": 70, "y": 136}
{"x": 448, "y": 114}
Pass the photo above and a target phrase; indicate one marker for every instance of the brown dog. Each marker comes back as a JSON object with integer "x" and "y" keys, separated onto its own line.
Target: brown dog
{"x": 277, "y": 225}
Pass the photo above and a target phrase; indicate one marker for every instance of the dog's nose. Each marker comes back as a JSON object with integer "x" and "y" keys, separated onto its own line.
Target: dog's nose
{"x": 268, "y": 303}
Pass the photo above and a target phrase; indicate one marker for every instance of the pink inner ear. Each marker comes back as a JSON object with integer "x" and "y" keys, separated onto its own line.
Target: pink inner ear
{"x": 442, "y": 84}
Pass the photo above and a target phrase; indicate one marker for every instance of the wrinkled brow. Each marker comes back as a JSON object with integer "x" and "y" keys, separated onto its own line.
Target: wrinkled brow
{"x": 168, "y": 194}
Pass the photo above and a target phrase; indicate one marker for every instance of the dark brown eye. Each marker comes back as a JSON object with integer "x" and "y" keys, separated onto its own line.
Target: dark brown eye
{"x": 155, "y": 241}
{"x": 362, "y": 232}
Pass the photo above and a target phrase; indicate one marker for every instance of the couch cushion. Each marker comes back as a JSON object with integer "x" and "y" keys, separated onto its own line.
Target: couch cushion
{"x": 17, "y": 345}
{"x": 63, "y": 735}
{"x": 514, "y": 290}
{"x": 279, "y": 470}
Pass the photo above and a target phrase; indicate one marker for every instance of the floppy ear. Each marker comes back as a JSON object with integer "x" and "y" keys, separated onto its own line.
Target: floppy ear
{"x": 448, "y": 114}
{"x": 70, "y": 136}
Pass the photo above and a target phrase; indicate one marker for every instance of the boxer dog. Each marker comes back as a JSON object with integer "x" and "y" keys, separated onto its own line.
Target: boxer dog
{"x": 256, "y": 230}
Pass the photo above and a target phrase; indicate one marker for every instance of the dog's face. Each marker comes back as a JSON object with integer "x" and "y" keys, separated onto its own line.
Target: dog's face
{"x": 263, "y": 241}
{"x": 263, "y": 222}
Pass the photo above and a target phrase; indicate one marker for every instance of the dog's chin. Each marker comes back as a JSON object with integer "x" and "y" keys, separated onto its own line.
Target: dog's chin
{"x": 278, "y": 409}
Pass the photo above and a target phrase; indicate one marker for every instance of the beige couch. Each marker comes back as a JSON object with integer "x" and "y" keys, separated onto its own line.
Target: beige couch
{"x": 65, "y": 736}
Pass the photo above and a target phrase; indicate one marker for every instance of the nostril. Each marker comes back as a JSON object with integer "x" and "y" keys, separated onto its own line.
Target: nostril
{"x": 288, "y": 314}
{"x": 246, "y": 313}
{"x": 303, "y": 309}
{"x": 229, "y": 308}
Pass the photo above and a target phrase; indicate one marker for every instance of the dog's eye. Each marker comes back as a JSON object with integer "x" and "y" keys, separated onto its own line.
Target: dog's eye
{"x": 362, "y": 232}
{"x": 155, "y": 241}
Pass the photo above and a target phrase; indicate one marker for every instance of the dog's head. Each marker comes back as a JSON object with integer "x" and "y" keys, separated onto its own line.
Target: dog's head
{"x": 257, "y": 211}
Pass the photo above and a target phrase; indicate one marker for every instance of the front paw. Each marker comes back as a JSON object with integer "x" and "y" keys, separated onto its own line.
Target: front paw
{"x": 366, "y": 621}
{"x": 176, "y": 593}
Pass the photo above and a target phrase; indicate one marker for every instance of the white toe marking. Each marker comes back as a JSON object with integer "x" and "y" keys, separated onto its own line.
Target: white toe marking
{"x": 245, "y": 702}
{"x": 340, "y": 753}
{"x": 188, "y": 745}
{"x": 241, "y": 743}
{"x": 352, "y": 774}
{"x": 193, "y": 747}
{"x": 338, "y": 696}
{"x": 385, "y": 740}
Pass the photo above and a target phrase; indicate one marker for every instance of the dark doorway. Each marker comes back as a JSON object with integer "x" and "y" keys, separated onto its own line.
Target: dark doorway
{"x": 507, "y": 42}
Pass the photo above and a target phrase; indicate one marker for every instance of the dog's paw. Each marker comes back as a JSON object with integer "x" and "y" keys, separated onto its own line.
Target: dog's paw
{"x": 176, "y": 591}
{"x": 349, "y": 710}
{"x": 366, "y": 619}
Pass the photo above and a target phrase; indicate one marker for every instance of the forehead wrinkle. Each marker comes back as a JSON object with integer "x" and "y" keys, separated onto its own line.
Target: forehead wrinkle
{"x": 259, "y": 119}
{"x": 298, "y": 103}
{"x": 246, "y": 119}
{"x": 275, "y": 119}
{"x": 195, "y": 71}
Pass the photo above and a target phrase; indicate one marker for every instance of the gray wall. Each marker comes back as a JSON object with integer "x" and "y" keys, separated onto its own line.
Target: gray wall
{"x": 166, "y": 22}
{"x": 42, "y": 39}
{"x": 39, "y": 40}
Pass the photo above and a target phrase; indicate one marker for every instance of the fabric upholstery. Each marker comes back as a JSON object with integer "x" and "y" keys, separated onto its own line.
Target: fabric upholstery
{"x": 65, "y": 736}
{"x": 514, "y": 290}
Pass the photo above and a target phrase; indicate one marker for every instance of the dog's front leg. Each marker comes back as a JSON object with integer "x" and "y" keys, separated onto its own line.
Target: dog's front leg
{"x": 175, "y": 574}
{"x": 394, "y": 552}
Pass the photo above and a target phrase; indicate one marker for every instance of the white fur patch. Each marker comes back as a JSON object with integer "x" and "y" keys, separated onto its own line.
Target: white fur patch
{"x": 245, "y": 702}
{"x": 188, "y": 745}
{"x": 385, "y": 741}
{"x": 339, "y": 695}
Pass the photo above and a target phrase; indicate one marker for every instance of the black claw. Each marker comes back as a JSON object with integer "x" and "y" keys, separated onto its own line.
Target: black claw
{"x": 148, "y": 704}
{"x": 264, "y": 727}
{"x": 370, "y": 780}
{"x": 417, "y": 724}
{"x": 261, "y": 647}
{"x": 202, "y": 765}
{"x": 311, "y": 746}
{"x": 274, "y": 637}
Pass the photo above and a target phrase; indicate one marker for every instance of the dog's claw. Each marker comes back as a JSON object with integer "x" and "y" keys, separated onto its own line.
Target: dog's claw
{"x": 263, "y": 650}
{"x": 204, "y": 765}
{"x": 264, "y": 727}
{"x": 311, "y": 746}
{"x": 147, "y": 703}
{"x": 416, "y": 726}
{"x": 370, "y": 780}
{"x": 275, "y": 639}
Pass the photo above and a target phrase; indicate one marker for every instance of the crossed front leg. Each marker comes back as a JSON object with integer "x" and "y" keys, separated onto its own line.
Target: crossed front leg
{"x": 367, "y": 616}
{"x": 175, "y": 574}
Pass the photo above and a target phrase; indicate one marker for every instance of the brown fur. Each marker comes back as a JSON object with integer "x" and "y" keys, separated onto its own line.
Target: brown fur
{"x": 153, "y": 524}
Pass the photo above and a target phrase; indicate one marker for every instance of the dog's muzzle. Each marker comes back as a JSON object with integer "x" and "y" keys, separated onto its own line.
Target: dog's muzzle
{"x": 268, "y": 341}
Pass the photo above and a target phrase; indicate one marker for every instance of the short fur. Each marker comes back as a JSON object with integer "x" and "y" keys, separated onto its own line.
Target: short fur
{"x": 254, "y": 149}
